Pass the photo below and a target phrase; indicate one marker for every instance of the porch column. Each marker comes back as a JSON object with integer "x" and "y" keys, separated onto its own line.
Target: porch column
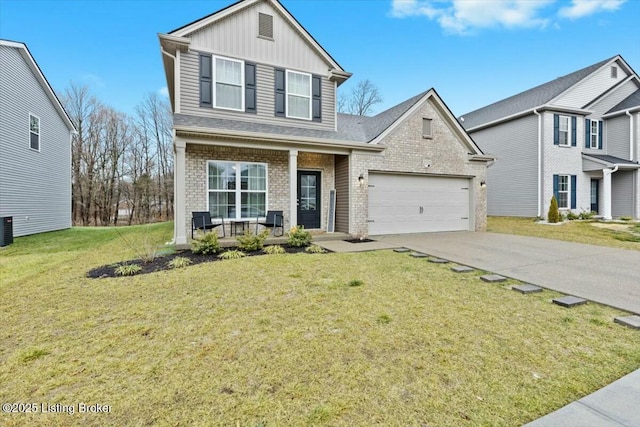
{"x": 293, "y": 188}
{"x": 179, "y": 194}
{"x": 606, "y": 193}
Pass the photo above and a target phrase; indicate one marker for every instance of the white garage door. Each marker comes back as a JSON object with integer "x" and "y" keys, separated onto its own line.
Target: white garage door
{"x": 417, "y": 204}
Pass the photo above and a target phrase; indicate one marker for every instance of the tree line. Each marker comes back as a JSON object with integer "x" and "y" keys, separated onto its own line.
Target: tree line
{"x": 122, "y": 164}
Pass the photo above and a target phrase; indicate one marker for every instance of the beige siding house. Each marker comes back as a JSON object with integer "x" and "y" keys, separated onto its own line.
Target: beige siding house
{"x": 256, "y": 129}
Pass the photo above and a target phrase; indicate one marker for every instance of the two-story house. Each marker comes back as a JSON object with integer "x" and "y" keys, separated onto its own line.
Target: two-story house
{"x": 256, "y": 129}
{"x": 35, "y": 146}
{"x": 575, "y": 137}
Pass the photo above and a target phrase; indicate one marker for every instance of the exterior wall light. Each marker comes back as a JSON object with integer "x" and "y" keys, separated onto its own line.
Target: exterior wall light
{"x": 361, "y": 180}
{"x": 483, "y": 184}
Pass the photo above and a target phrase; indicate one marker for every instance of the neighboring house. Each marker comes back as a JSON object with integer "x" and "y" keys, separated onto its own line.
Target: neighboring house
{"x": 35, "y": 146}
{"x": 256, "y": 129}
{"x": 575, "y": 137}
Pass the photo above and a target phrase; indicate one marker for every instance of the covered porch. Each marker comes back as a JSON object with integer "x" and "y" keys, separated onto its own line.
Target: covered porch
{"x": 615, "y": 185}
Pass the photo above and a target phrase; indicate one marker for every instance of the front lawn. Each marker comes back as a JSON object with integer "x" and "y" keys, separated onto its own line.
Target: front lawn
{"x": 376, "y": 338}
{"x": 617, "y": 235}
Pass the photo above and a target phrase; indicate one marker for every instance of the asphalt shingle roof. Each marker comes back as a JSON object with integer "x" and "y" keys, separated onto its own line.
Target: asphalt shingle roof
{"x": 351, "y": 128}
{"x": 630, "y": 101}
{"x": 528, "y": 99}
{"x": 611, "y": 159}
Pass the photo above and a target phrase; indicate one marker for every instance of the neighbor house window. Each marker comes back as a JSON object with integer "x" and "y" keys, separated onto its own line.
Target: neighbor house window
{"x": 426, "y": 128}
{"x": 34, "y": 132}
{"x": 564, "y": 129}
{"x": 298, "y": 95}
{"x": 228, "y": 84}
{"x": 237, "y": 190}
{"x": 594, "y": 134}
{"x": 563, "y": 191}
{"x": 564, "y": 188}
{"x": 614, "y": 72}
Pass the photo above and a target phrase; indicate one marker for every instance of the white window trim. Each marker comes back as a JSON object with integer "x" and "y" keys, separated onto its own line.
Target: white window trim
{"x": 568, "y": 144}
{"x": 238, "y": 189}
{"x": 568, "y": 207}
{"x": 592, "y": 145}
{"x": 286, "y": 94}
{"x": 39, "y": 132}
{"x": 214, "y": 75}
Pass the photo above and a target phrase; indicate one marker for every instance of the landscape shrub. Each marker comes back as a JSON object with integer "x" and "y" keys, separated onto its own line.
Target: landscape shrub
{"x": 553, "y": 216}
{"x": 274, "y": 250}
{"x": 315, "y": 249}
{"x": 206, "y": 245}
{"x": 587, "y": 215}
{"x": 572, "y": 216}
{"x": 298, "y": 237}
{"x": 233, "y": 254}
{"x": 127, "y": 269}
{"x": 252, "y": 242}
{"x": 179, "y": 262}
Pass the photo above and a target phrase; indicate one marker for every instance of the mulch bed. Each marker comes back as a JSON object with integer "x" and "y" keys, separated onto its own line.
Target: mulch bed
{"x": 160, "y": 263}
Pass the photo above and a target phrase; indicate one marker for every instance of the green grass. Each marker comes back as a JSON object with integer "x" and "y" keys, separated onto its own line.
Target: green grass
{"x": 571, "y": 231}
{"x": 288, "y": 340}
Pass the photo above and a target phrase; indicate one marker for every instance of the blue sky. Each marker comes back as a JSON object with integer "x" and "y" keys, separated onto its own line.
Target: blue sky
{"x": 473, "y": 52}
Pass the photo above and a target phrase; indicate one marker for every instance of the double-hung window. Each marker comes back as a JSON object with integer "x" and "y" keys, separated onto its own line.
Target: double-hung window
{"x": 564, "y": 131}
{"x": 298, "y": 95}
{"x": 34, "y": 132}
{"x": 237, "y": 189}
{"x": 594, "y": 132}
{"x": 228, "y": 84}
{"x": 563, "y": 191}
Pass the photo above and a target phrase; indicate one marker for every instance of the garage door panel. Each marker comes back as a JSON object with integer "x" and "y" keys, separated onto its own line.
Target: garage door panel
{"x": 414, "y": 204}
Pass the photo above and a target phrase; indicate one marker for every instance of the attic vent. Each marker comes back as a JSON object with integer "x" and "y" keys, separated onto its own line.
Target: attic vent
{"x": 614, "y": 72}
{"x": 265, "y": 25}
{"x": 426, "y": 128}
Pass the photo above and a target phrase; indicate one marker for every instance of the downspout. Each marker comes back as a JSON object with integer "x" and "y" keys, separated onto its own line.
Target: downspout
{"x": 535, "y": 111}
{"x": 631, "y": 141}
{"x": 176, "y": 77}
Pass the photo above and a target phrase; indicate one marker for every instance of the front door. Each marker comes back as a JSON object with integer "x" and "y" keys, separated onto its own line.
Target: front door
{"x": 309, "y": 199}
{"x": 595, "y": 186}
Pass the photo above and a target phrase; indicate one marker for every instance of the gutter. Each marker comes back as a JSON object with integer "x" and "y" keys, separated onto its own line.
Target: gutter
{"x": 543, "y": 107}
{"x": 540, "y": 213}
{"x": 176, "y": 78}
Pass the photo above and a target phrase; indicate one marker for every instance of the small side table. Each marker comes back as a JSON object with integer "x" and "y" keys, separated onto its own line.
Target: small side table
{"x": 236, "y": 224}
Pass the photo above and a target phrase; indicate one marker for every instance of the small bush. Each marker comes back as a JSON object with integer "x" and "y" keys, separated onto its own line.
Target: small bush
{"x": 179, "y": 262}
{"x": 572, "y": 216}
{"x": 553, "y": 215}
{"x": 625, "y": 218}
{"x": 206, "y": 245}
{"x": 355, "y": 283}
{"x": 127, "y": 269}
{"x": 252, "y": 242}
{"x": 234, "y": 254}
{"x": 315, "y": 249}
{"x": 274, "y": 250}
{"x": 587, "y": 215}
{"x": 298, "y": 237}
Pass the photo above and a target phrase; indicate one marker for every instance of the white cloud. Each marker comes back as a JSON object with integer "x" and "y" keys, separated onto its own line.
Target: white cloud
{"x": 164, "y": 91}
{"x": 468, "y": 16}
{"x": 582, "y": 8}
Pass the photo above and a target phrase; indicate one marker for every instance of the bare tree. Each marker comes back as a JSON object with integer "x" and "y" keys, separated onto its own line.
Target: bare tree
{"x": 360, "y": 100}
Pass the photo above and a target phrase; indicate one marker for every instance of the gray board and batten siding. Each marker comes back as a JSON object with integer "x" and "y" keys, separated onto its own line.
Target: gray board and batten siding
{"x": 35, "y": 186}
{"x": 512, "y": 181}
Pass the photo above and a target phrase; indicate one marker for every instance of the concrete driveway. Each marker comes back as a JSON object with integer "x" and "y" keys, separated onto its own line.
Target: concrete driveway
{"x": 606, "y": 275}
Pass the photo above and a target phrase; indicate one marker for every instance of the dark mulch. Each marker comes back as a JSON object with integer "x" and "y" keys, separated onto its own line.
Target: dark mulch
{"x": 161, "y": 263}
{"x": 359, "y": 240}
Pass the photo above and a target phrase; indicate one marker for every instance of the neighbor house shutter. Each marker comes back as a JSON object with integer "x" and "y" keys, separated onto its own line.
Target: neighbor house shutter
{"x": 574, "y": 180}
{"x": 556, "y": 129}
{"x": 280, "y": 93}
{"x": 555, "y": 186}
{"x": 587, "y": 133}
{"x": 316, "y": 92}
{"x": 205, "y": 80}
{"x": 574, "y": 137}
{"x": 600, "y": 132}
{"x": 250, "y": 88}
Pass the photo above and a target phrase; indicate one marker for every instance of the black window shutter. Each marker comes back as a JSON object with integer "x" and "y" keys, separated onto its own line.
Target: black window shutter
{"x": 555, "y": 186}
{"x": 206, "y": 92}
{"x": 556, "y": 129}
{"x": 316, "y": 98}
{"x": 574, "y": 137}
{"x": 250, "y": 88}
{"x": 587, "y": 133}
{"x": 574, "y": 180}
{"x": 600, "y": 132}
{"x": 280, "y": 93}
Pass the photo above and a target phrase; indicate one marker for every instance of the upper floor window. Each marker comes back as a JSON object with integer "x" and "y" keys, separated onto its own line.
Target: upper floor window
{"x": 564, "y": 130}
{"x": 298, "y": 95}
{"x": 593, "y": 131}
{"x": 34, "y": 132}
{"x": 227, "y": 83}
{"x": 614, "y": 72}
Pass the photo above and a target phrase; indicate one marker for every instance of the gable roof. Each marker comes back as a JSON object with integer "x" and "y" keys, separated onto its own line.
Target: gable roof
{"x": 190, "y": 28}
{"x": 631, "y": 102}
{"x": 42, "y": 80}
{"x": 529, "y": 99}
{"x": 357, "y": 131}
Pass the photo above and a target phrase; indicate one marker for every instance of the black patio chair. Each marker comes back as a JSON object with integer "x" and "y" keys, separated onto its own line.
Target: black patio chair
{"x": 274, "y": 220}
{"x": 202, "y": 221}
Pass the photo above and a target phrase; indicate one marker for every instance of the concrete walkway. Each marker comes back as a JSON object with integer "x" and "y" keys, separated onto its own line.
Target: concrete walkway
{"x": 606, "y": 275}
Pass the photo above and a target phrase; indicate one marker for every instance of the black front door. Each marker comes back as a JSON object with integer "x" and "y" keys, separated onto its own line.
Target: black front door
{"x": 595, "y": 196}
{"x": 309, "y": 199}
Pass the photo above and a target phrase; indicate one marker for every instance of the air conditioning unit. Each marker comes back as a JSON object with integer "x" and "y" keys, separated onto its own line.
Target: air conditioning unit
{"x": 6, "y": 230}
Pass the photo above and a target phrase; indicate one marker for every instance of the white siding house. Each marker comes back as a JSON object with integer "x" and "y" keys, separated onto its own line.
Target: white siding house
{"x": 35, "y": 146}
